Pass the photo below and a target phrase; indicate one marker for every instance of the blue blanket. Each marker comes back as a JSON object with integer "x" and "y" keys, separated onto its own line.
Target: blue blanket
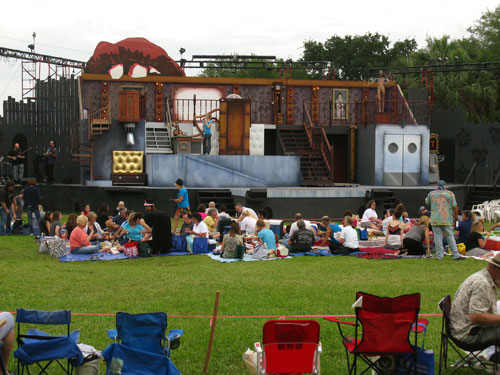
{"x": 246, "y": 258}
{"x": 107, "y": 256}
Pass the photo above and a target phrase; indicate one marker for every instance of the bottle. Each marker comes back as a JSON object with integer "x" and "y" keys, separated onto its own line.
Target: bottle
{"x": 62, "y": 234}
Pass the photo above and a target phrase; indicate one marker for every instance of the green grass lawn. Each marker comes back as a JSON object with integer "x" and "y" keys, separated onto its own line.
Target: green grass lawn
{"x": 186, "y": 285}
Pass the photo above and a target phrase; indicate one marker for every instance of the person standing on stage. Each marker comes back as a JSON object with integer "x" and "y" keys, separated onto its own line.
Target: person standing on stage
{"x": 52, "y": 156}
{"x": 182, "y": 201}
{"x": 16, "y": 158}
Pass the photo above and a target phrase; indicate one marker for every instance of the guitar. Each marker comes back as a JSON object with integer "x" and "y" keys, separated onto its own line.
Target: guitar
{"x": 20, "y": 154}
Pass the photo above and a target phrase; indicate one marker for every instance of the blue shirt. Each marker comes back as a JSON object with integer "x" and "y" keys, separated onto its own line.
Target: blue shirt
{"x": 464, "y": 229}
{"x": 206, "y": 129}
{"x": 185, "y": 200}
{"x": 268, "y": 238}
{"x": 335, "y": 229}
{"x": 133, "y": 233}
{"x": 118, "y": 219}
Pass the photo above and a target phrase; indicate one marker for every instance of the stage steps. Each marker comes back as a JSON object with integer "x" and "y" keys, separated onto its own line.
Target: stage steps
{"x": 385, "y": 199}
{"x": 313, "y": 169}
{"x": 480, "y": 194}
{"x": 219, "y": 196}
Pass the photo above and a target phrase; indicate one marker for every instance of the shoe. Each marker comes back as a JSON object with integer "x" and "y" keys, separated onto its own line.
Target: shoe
{"x": 459, "y": 258}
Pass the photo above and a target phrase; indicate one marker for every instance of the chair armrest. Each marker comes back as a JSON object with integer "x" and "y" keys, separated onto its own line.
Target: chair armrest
{"x": 258, "y": 350}
{"x": 113, "y": 334}
{"x": 420, "y": 326}
{"x": 257, "y": 347}
{"x": 335, "y": 320}
{"x": 175, "y": 334}
{"x": 320, "y": 348}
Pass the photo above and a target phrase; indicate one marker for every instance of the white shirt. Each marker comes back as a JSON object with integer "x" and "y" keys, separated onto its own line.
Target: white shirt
{"x": 201, "y": 228}
{"x": 369, "y": 213}
{"x": 294, "y": 227}
{"x": 223, "y": 215}
{"x": 350, "y": 237}
{"x": 385, "y": 224}
{"x": 248, "y": 225}
{"x": 100, "y": 232}
{"x": 252, "y": 212}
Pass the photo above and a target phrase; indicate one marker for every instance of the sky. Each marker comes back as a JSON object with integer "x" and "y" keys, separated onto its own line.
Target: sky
{"x": 73, "y": 29}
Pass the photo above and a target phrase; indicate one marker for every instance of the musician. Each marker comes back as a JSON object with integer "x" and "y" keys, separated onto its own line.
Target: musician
{"x": 51, "y": 157}
{"x": 16, "y": 158}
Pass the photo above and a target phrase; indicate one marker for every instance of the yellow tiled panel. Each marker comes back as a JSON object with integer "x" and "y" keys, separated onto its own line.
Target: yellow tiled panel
{"x": 128, "y": 161}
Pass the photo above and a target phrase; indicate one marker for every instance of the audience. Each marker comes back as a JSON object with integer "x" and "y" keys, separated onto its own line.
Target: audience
{"x": 188, "y": 224}
{"x": 417, "y": 234}
{"x": 302, "y": 239}
{"x": 222, "y": 212}
{"x": 103, "y": 215}
{"x": 200, "y": 229}
{"x": 464, "y": 227}
{"x": 328, "y": 239}
{"x": 370, "y": 218}
{"x": 293, "y": 228}
{"x": 212, "y": 220}
{"x": 348, "y": 238}
{"x": 80, "y": 241}
{"x": 7, "y": 338}
{"x": 247, "y": 223}
{"x": 118, "y": 206}
{"x": 387, "y": 220}
{"x": 31, "y": 198}
{"x": 231, "y": 241}
{"x": 70, "y": 225}
{"x": 55, "y": 225}
{"x": 474, "y": 245}
{"x": 202, "y": 211}
{"x": 240, "y": 209}
{"x": 86, "y": 209}
{"x": 131, "y": 229}
{"x": 45, "y": 224}
{"x": 395, "y": 230}
{"x": 94, "y": 225}
{"x": 116, "y": 221}
{"x": 266, "y": 236}
{"x": 161, "y": 231}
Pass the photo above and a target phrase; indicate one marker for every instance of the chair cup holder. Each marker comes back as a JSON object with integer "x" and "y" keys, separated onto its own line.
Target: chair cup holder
{"x": 175, "y": 342}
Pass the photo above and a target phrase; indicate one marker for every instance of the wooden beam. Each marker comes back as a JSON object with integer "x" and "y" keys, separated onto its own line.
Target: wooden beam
{"x": 234, "y": 81}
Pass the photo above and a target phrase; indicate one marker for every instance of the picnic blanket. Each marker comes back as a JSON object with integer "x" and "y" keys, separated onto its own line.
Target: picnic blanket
{"x": 246, "y": 258}
{"x": 109, "y": 256}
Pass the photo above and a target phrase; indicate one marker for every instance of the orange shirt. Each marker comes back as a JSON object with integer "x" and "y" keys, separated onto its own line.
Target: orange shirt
{"x": 78, "y": 238}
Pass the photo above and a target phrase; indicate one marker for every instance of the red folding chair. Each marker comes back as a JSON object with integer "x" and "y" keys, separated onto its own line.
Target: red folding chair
{"x": 289, "y": 347}
{"x": 382, "y": 329}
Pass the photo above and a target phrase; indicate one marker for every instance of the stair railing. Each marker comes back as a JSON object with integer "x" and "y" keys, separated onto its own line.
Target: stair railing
{"x": 472, "y": 172}
{"x": 325, "y": 148}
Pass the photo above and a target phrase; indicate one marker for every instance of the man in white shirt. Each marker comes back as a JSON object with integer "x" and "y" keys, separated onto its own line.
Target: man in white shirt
{"x": 240, "y": 209}
{"x": 293, "y": 228}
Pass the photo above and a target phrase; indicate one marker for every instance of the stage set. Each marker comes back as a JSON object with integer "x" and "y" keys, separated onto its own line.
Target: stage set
{"x": 142, "y": 122}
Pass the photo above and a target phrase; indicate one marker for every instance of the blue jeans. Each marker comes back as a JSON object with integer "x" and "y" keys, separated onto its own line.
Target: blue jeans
{"x": 5, "y": 219}
{"x": 447, "y": 231}
{"x": 207, "y": 143}
{"x": 30, "y": 211}
{"x": 90, "y": 249}
{"x": 17, "y": 172}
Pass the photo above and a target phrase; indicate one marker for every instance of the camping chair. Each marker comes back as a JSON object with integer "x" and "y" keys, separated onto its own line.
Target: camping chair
{"x": 146, "y": 332}
{"x": 470, "y": 359}
{"x": 40, "y": 348}
{"x": 383, "y": 328}
{"x": 289, "y": 347}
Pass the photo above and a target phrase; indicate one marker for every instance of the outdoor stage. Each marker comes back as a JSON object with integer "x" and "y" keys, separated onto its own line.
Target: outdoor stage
{"x": 284, "y": 202}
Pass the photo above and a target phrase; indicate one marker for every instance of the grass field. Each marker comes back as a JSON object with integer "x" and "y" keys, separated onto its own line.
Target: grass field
{"x": 186, "y": 285}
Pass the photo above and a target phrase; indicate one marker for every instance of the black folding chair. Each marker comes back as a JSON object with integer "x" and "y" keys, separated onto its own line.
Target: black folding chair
{"x": 471, "y": 359}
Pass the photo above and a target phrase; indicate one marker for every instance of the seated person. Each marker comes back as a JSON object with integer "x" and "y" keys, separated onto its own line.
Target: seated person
{"x": 120, "y": 204}
{"x": 116, "y": 221}
{"x": 247, "y": 223}
{"x": 45, "y": 223}
{"x": 387, "y": 220}
{"x": 199, "y": 230}
{"x": 230, "y": 241}
{"x": 70, "y": 225}
{"x": 266, "y": 236}
{"x": 473, "y": 315}
{"x": 476, "y": 216}
{"x": 261, "y": 214}
{"x": 418, "y": 233}
{"x": 132, "y": 230}
{"x": 464, "y": 227}
{"x": 223, "y": 212}
{"x": 202, "y": 211}
{"x": 55, "y": 225}
{"x": 93, "y": 224}
{"x": 354, "y": 220}
{"x": 370, "y": 218}
{"x": 298, "y": 216}
{"x": 348, "y": 238}
{"x": 328, "y": 239}
{"x": 424, "y": 211}
{"x": 103, "y": 215}
{"x": 80, "y": 240}
{"x": 302, "y": 239}
{"x": 395, "y": 230}
{"x": 474, "y": 245}
{"x": 240, "y": 209}
{"x": 7, "y": 336}
{"x": 188, "y": 224}
{"x": 212, "y": 221}
{"x": 86, "y": 210}
{"x": 211, "y": 205}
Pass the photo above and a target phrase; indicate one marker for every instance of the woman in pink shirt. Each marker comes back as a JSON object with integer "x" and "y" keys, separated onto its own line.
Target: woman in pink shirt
{"x": 80, "y": 241}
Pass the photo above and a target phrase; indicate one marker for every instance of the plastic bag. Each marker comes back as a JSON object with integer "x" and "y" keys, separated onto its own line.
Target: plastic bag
{"x": 250, "y": 359}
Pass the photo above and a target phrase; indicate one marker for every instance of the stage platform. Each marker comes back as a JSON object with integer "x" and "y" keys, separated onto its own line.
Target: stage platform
{"x": 285, "y": 202}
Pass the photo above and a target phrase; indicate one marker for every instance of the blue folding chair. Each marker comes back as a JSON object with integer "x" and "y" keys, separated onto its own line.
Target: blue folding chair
{"x": 40, "y": 348}
{"x": 146, "y": 332}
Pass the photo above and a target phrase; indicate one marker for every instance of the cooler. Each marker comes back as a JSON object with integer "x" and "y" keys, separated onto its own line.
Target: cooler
{"x": 492, "y": 243}
{"x": 277, "y": 227}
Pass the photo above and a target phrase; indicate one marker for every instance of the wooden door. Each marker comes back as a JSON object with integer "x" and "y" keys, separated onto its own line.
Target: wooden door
{"x": 234, "y": 128}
